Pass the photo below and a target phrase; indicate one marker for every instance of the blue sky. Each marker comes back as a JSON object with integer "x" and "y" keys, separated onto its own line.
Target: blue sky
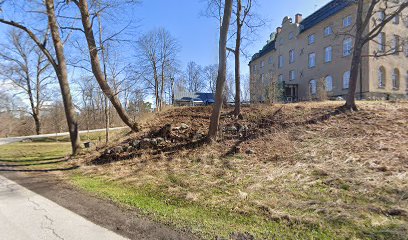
{"x": 198, "y": 34}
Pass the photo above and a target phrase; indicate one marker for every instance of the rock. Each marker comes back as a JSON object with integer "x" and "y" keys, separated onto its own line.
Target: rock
{"x": 117, "y": 149}
{"x": 135, "y": 144}
{"x": 153, "y": 142}
{"x": 145, "y": 143}
{"x": 250, "y": 152}
{"x": 184, "y": 126}
{"x": 231, "y": 129}
{"x": 159, "y": 140}
{"x": 242, "y": 195}
{"x": 191, "y": 197}
{"x": 108, "y": 152}
{"x": 27, "y": 140}
{"x": 237, "y": 149}
{"x": 130, "y": 149}
{"x": 242, "y": 128}
{"x": 397, "y": 212}
{"x": 241, "y": 236}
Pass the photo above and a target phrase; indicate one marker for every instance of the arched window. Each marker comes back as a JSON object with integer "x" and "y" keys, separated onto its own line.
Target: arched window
{"x": 313, "y": 86}
{"x": 329, "y": 83}
{"x": 346, "y": 80}
{"x": 381, "y": 77}
{"x": 395, "y": 78}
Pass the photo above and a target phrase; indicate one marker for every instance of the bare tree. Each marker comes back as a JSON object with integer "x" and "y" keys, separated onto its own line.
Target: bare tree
{"x": 157, "y": 53}
{"x": 87, "y": 24}
{"x": 210, "y": 74}
{"x": 222, "y": 71}
{"x": 194, "y": 77}
{"x": 367, "y": 29}
{"x": 28, "y": 69}
{"x": 244, "y": 19}
{"x": 59, "y": 65}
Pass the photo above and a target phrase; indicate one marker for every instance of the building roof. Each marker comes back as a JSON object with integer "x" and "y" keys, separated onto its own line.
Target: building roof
{"x": 323, "y": 13}
{"x": 190, "y": 96}
{"x": 315, "y": 18}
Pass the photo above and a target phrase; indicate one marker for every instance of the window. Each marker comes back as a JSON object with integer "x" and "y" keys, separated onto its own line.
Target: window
{"x": 292, "y": 56}
{"x": 328, "y": 31}
{"x": 406, "y": 49}
{"x": 262, "y": 79}
{"x": 292, "y": 75}
{"x": 255, "y": 68}
{"x": 280, "y": 63}
{"x": 395, "y": 44}
{"x": 347, "y": 46}
{"x": 381, "y": 15}
{"x": 270, "y": 60}
{"x": 281, "y": 41}
{"x": 381, "y": 77}
{"x": 262, "y": 64}
{"x": 329, "y": 83}
{"x": 395, "y": 79}
{"x": 381, "y": 42}
{"x": 313, "y": 87}
{"x": 311, "y": 39}
{"x": 347, "y": 21}
{"x": 328, "y": 54}
{"x": 280, "y": 78}
{"x": 396, "y": 20}
{"x": 291, "y": 35}
{"x": 346, "y": 80}
{"x": 312, "y": 60}
{"x": 406, "y": 81}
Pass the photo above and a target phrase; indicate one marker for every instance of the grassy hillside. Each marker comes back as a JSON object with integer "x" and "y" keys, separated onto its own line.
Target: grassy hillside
{"x": 297, "y": 171}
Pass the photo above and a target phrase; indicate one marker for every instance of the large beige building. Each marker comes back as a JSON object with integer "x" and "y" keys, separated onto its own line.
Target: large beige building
{"x": 305, "y": 54}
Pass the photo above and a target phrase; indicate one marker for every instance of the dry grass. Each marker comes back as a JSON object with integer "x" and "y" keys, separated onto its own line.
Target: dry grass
{"x": 312, "y": 166}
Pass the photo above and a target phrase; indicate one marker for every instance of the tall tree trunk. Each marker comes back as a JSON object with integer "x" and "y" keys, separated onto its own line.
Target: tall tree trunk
{"x": 62, "y": 74}
{"x": 96, "y": 67}
{"x": 356, "y": 60}
{"x": 237, "y": 110}
{"x": 222, "y": 72}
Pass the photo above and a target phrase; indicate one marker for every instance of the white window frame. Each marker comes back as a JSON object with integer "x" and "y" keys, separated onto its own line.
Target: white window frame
{"x": 292, "y": 75}
{"x": 346, "y": 80}
{"x": 328, "y": 54}
{"x": 381, "y": 42}
{"x": 396, "y": 19}
{"x": 328, "y": 31}
{"x": 291, "y": 35}
{"x": 347, "y": 21}
{"x": 280, "y": 78}
{"x": 328, "y": 83}
{"x": 395, "y": 78}
{"x": 312, "y": 60}
{"x": 381, "y": 77}
{"x": 280, "y": 61}
{"x": 292, "y": 56}
{"x": 347, "y": 47}
{"x": 313, "y": 86}
{"x": 311, "y": 39}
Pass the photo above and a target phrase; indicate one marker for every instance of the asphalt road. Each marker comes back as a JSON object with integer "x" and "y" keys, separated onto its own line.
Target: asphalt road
{"x": 27, "y": 215}
{"x": 19, "y": 139}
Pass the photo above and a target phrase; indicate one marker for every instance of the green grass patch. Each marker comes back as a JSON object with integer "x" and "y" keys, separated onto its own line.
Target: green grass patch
{"x": 32, "y": 152}
{"x": 202, "y": 220}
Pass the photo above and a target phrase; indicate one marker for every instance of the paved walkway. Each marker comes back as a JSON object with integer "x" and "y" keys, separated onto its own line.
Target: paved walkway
{"x": 25, "y": 215}
{"x": 19, "y": 139}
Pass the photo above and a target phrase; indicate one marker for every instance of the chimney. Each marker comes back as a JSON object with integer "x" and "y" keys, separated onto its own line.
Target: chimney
{"x": 278, "y": 30}
{"x": 298, "y": 18}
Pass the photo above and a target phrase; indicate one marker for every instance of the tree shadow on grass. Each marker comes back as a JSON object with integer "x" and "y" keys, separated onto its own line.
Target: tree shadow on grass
{"x": 40, "y": 170}
{"x": 28, "y": 160}
{"x": 32, "y": 164}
